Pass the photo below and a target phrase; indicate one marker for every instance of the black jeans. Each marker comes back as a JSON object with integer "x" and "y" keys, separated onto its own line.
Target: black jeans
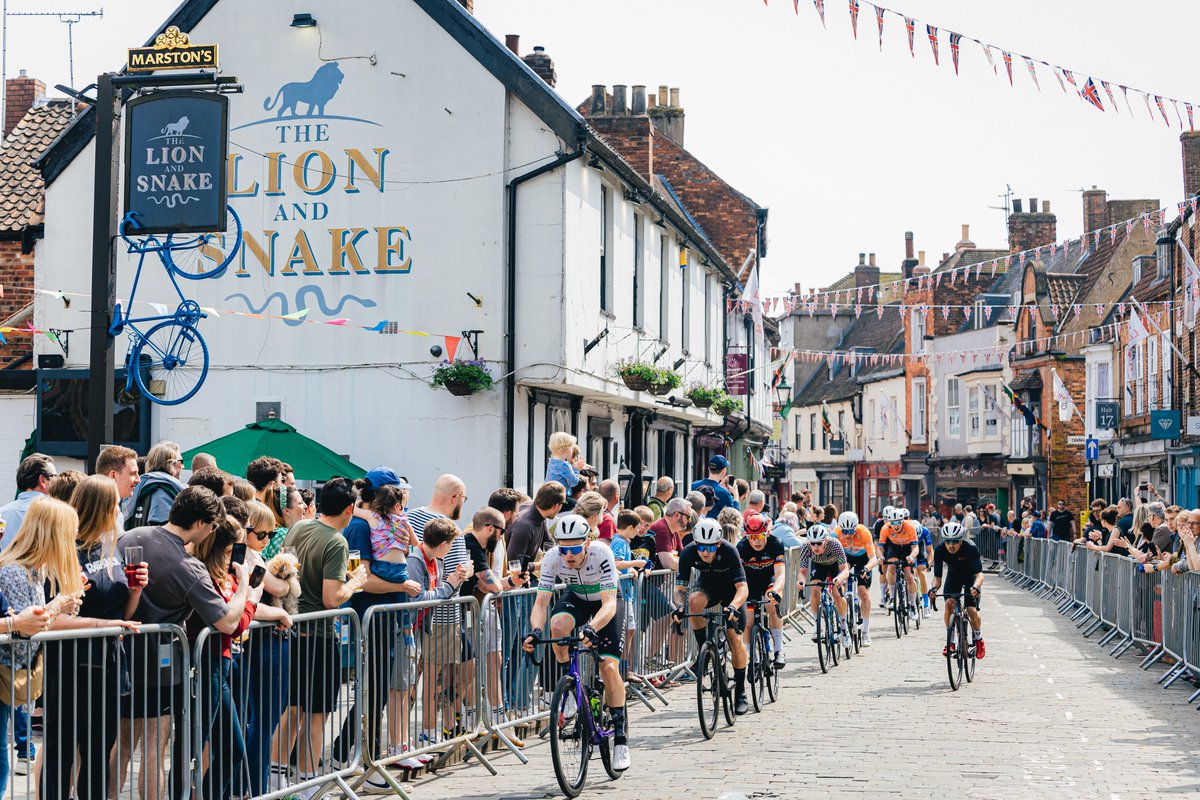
{"x": 80, "y": 712}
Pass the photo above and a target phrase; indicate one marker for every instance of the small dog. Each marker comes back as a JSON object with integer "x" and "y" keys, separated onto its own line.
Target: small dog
{"x": 286, "y": 567}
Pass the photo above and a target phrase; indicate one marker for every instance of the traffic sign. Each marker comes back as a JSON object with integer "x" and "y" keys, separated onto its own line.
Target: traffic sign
{"x": 1092, "y": 449}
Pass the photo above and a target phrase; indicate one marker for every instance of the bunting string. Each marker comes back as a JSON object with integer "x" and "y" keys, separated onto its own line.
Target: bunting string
{"x": 1088, "y": 90}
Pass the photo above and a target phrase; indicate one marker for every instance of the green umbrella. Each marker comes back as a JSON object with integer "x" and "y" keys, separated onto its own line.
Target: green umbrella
{"x": 312, "y": 461}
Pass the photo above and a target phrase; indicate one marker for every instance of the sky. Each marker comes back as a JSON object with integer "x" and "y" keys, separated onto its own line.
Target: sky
{"x": 848, "y": 146}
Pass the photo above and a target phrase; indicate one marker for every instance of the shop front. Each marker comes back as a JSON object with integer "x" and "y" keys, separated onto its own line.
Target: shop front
{"x": 1139, "y": 462}
{"x": 1186, "y": 491}
{"x": 878, "y": 486}
{"x": 836, "y": 485}
{"x": 975, "y": 482}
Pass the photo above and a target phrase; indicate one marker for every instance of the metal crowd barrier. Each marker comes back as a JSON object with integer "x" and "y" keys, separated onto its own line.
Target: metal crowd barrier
{"x": 987, "y": 539}
{"x": 1158, "y": 612}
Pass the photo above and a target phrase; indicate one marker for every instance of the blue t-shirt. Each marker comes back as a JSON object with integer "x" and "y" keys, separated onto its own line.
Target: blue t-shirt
{"x": 786, "y": 534}
{"x": 358, "y": 537}
{"x": 621, "y": 552}
{"x": 724, "y": 498}
{"x": 1037, "y": 529}
{"x": 563, "y": 472}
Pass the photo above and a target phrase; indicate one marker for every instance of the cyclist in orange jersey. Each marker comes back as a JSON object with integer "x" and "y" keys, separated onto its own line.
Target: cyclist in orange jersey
{"x": 860, "y": 553}
{"x": 899, "y": 537}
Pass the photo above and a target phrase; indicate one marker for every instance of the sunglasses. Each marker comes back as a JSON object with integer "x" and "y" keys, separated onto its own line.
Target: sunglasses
{"x": 261, "y": 534}
{"x": 570, "y": 550}
{"x": 758, "y": 537}
{"x": 706, "y": 548}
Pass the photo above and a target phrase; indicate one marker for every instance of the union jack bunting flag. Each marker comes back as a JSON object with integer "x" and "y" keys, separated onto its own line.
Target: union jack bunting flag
{"x": 1188, "y": 106}
{"x": 1108, "y": 91}
{"x": 1069, "y": 76}
{"x": 1112, "y": 234}
{"x": 987, "y": 51}
{"x": 1158, "y": 101}
{"x": 1059, "y": 77}
{"x": 854, "y": 17}
{"x": 1091, "y": 94}
{"x": 820, "y": 4}
{"x": 910, "y": 26}
{"x": 1095, "y": 239}
{"x": 1007, "y": 56}
{"x": 1032, "y": 71}
{"x": 933, "y": 42}
{"x": 955, "y": 46}
{"x": 879, "y": 12}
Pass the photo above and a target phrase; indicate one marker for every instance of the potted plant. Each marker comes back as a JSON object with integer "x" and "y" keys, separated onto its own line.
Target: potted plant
{"x": 726, "y": 406}
{"x": 637, "y": 375}
{"x": 463, "y": 377}
{"x": 664, "y": 381}
{"x": 703, "y": 396}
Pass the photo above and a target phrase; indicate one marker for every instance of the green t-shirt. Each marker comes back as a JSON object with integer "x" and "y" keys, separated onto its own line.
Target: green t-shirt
{"x": 324, "y": 556}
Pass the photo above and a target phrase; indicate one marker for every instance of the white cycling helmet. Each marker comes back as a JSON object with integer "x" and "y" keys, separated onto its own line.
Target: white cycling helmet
{"x": 894, "y": 515}
{"x": 708, "y": 531}
{"x": 817, "y": 533}
{"x": 848, "y": 521}
{"x": 953, "y": 532}
{"x": 572, "y": 527}
{"x": 907, "y": 513}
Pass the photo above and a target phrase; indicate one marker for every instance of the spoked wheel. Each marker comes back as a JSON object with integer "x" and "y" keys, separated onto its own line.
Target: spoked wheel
{"x": 205, "y": 255}
{"x": 917, "y": 621}
{"x": 954, "y": 664}
{"x": 169, "y": 362}
{"x": 726, "y": 694}
{"x": 758, "y": 671}
{"x": 855, "y": 618}
{"x": 771, "y": 677}
{"x": 570, "y": 739}
{"x": 708, "y": 690}
{"x": 903, "y": 594}
{"x": 969, "y": 655}
{"x": 831, "y": 633}
{"x": 821, "y": 635}
{"x": 898, "y": 612}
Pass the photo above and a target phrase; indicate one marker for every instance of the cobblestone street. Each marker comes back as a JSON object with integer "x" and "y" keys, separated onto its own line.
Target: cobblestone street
{"x": 1049, "y": 715}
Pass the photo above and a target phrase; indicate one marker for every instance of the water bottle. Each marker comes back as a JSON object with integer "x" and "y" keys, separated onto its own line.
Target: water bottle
{"x": 594, "y": 696}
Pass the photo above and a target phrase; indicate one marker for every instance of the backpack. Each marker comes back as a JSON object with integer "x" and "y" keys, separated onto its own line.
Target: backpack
{"x": 140, "y": 517}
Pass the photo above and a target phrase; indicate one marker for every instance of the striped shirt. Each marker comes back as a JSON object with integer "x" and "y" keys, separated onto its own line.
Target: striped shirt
{"x": 458, "y": 554}
{"x": 419, "y": 518}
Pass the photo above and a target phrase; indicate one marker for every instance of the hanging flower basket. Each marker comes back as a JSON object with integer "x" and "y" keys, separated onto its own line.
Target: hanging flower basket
{"x": 462, "y": 377}
{"x": 727, "y": 406}
{"x": 638, "y": 376}
{"x": 664, "y": 382}
{"x": 703, "y": 396}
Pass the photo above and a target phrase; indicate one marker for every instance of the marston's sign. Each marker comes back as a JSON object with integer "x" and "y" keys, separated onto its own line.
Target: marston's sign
{"x": 172, "y": 50}
{"x": 175, "y": 152}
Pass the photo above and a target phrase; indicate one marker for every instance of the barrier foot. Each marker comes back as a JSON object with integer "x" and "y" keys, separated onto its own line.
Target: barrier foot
{"x": 1121, "y": 648}
{"x": 478, "y": 754}
{"x": 1079, "y": 612}
{"x": 631, "y": 688}
{"x": 657, "y": 694}
{"x": 1172, "y": 674}
{"x": 1153, "y": 657}
{"x": 1108, "y": 637}
{"x": 346, "y": 790}
{"x": 393, "y": 784}
{"x": 1095, "y": 625}
{"x": 502, "y": 737}
{"x": 1193, "y": 696}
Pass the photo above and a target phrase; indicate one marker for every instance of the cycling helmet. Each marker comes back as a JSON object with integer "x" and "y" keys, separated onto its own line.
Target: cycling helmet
{"x": 708, "y": 531}
{"x": 907, "y": 513}
{"x": 756, "y": 525}
{"x": 848, "y": 521}
{"x": 817, "y": 533}
{"x": 887, "y": 510}
{"x": 953, "y": 532}
{"x": 572, "y": 527}
{"x": 894, "y": 515}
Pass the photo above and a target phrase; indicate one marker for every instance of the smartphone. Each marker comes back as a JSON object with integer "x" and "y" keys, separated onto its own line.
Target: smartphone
{"x": 256, "y": 577}
{"x": 239, "y": 554}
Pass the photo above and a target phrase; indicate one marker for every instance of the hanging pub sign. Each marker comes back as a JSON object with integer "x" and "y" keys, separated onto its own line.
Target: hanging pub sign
{"x": 175, "y": 148}
{"x": 172, "y": 50}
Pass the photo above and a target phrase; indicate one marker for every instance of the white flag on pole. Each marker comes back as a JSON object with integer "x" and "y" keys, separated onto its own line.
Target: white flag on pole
{"x": 1066, "y": 405}
{"x": 1191, "y": 286}
{"x": 1137, "y": 328}
{"x": 751, "y": 294}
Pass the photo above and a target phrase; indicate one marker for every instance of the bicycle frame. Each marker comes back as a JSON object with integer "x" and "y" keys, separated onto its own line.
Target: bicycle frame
{"x": 574, "y": 649}
{"x": 127, "y": 318}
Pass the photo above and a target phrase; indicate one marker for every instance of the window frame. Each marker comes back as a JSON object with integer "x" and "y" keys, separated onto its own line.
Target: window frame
{"x": 639, "y": 272}
{"x": 605, "y": 248}
{"x": 920, "y": 434}
{"x": 954, "y": 410}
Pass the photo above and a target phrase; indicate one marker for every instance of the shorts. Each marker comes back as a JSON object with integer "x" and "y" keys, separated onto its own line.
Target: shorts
{"x": 404, "y": 663}
{"x": 655, "y": 605}
{"x": 954, "y": 587}
{"x": 722, "y": 599}
{"x": 758, "y": 587}
{"x": 493, "y": 639}
{"x": 857, "y": 563}
{"x": 444, "y": 643}
{"x": 823, "y": 572}
{"x": 612, "y": 635}
{"x": 316, "y": 673}
{"x": 898, "y": 552}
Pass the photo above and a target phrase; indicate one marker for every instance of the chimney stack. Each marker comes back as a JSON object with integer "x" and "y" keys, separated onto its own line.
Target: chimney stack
{"x": 619, "y": 109}
{"x": 513, "y": 42}
{"x": 908, "y": 245}
{"x": 1190, "y": 141}
{"x": 668, "y": 116}
{"x": 1030, "y": 229}
{"x": 597, "y": 107}
{"x": 663, "y": 97}
{"x": 871, "y": 259}
{"x": 866, "y": 273}
{"x": 675, "y": 97}
{"x": 638, "y": 106}
{"x": 862, "y": 259}
{"x": 1095, "y": 209}
{"x": 965, "y": 243}
{"x": 21, "y": 94}
{"x": 909, "y": 264}
{"x": 542, "y": 64}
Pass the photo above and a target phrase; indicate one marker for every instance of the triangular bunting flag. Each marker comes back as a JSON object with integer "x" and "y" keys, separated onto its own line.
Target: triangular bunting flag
{"x": 879, "y": 12}
{"x": 910, "y": 27}
{"x": 932, "y": 33}
{"x": 854, "y": 17}
{"x": 451, "y": 343}
{"x": 1032, "y": 71}
{"x": 955, "y": 46}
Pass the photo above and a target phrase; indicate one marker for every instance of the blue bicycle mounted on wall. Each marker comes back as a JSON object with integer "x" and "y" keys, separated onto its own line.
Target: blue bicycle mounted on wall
{"x": 168, "y": 362}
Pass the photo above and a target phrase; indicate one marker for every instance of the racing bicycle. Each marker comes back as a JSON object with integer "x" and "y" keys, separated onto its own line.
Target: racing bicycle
{"x": 714, "y": 680}
{"x": 826, "y": 633}
{"x": 960, "y": 649}
{"x": 761, "y": 672}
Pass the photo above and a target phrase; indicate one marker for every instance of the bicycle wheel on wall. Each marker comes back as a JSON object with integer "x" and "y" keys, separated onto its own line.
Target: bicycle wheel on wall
{"x": 169, "y": 362}
{"x": 207, "y": 255}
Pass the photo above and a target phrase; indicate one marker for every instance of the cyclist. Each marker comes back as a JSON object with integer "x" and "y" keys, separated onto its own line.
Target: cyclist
{"x": 899, "y": 539}
{"x": 824, "y": 557}
{"x": 877, "y": 533}
{"x": 964, "y": 568}
{"x": 925, "y": 551}
{"x": 722, "y": 582}
{"x": 860, "y": 553}
{"x": 763, "y": 561}
{"x": 591, "y": 604}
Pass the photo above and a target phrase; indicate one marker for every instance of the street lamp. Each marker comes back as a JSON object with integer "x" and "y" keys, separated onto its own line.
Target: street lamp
{"x": 647, "y": 483}
{"x": 781, "y": 388}
{"x": 303, "y": 21}
{"x": 624, "y": 479}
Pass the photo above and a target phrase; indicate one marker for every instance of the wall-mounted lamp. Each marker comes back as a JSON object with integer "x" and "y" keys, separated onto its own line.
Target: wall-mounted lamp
{"x": 679, "y": 363}
{"x": 590, "y": 346}
{"x": 304, "y": 21}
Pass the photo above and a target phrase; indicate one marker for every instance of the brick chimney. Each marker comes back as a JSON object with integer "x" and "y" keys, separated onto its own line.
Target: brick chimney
{"x": 1030, "y": 229}
{"x": 909, "y": 264}
{"x": 1191, "y": 162}
{"x": 513, "y": 42}
{"x": 21, "y": 94}
{"x": 1095, "y": 209}
{"x": 866, "y": 273}
{"x": 628, "y": 129}
{"x": 965, "y": 243}
{"x": 668, "y": 114}
{"x": 542, "y": 64}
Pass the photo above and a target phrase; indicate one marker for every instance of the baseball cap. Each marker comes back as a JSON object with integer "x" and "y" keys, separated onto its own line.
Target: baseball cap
{"x": 718, "y": 463}
{"x": 382, "y": 476}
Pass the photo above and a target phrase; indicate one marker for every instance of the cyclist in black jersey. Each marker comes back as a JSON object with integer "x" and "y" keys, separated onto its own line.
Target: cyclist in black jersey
{"x": 964, "y": 568}
{"x": 722, "y": 583}
{"x": 763, "y": 560}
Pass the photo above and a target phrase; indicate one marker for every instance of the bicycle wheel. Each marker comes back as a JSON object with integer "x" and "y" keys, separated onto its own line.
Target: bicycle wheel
{"x": 953, "y": 662}
{"x": 206, "y": 255}
{"x": 708, "y": 689}
{"x": 902, "y": 593}
{"x": 917, "y": 619}
{"x": 830, "y": 639}
{"x": 969, "y": 655}
{"x": 570, "y": 739}
{"x": 820, "y": 637}
{"x": 726, "y": 683}
{"x": 898, "y": 610}
{"x": 770, "y": 671}
{"x": 755, "y": 680}
{"x": 169, "y": 362}
{"x": 855, "y": 619}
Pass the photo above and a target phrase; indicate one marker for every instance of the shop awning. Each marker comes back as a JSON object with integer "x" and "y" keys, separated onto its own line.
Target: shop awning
{"x": 311, "y": 460}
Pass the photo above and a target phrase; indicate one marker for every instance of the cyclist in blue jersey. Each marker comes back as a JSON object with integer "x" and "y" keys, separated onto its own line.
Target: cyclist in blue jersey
{"x": 924, "y": 554}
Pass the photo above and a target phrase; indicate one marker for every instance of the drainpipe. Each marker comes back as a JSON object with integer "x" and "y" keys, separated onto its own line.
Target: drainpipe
{"x": 510, "y": 347}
